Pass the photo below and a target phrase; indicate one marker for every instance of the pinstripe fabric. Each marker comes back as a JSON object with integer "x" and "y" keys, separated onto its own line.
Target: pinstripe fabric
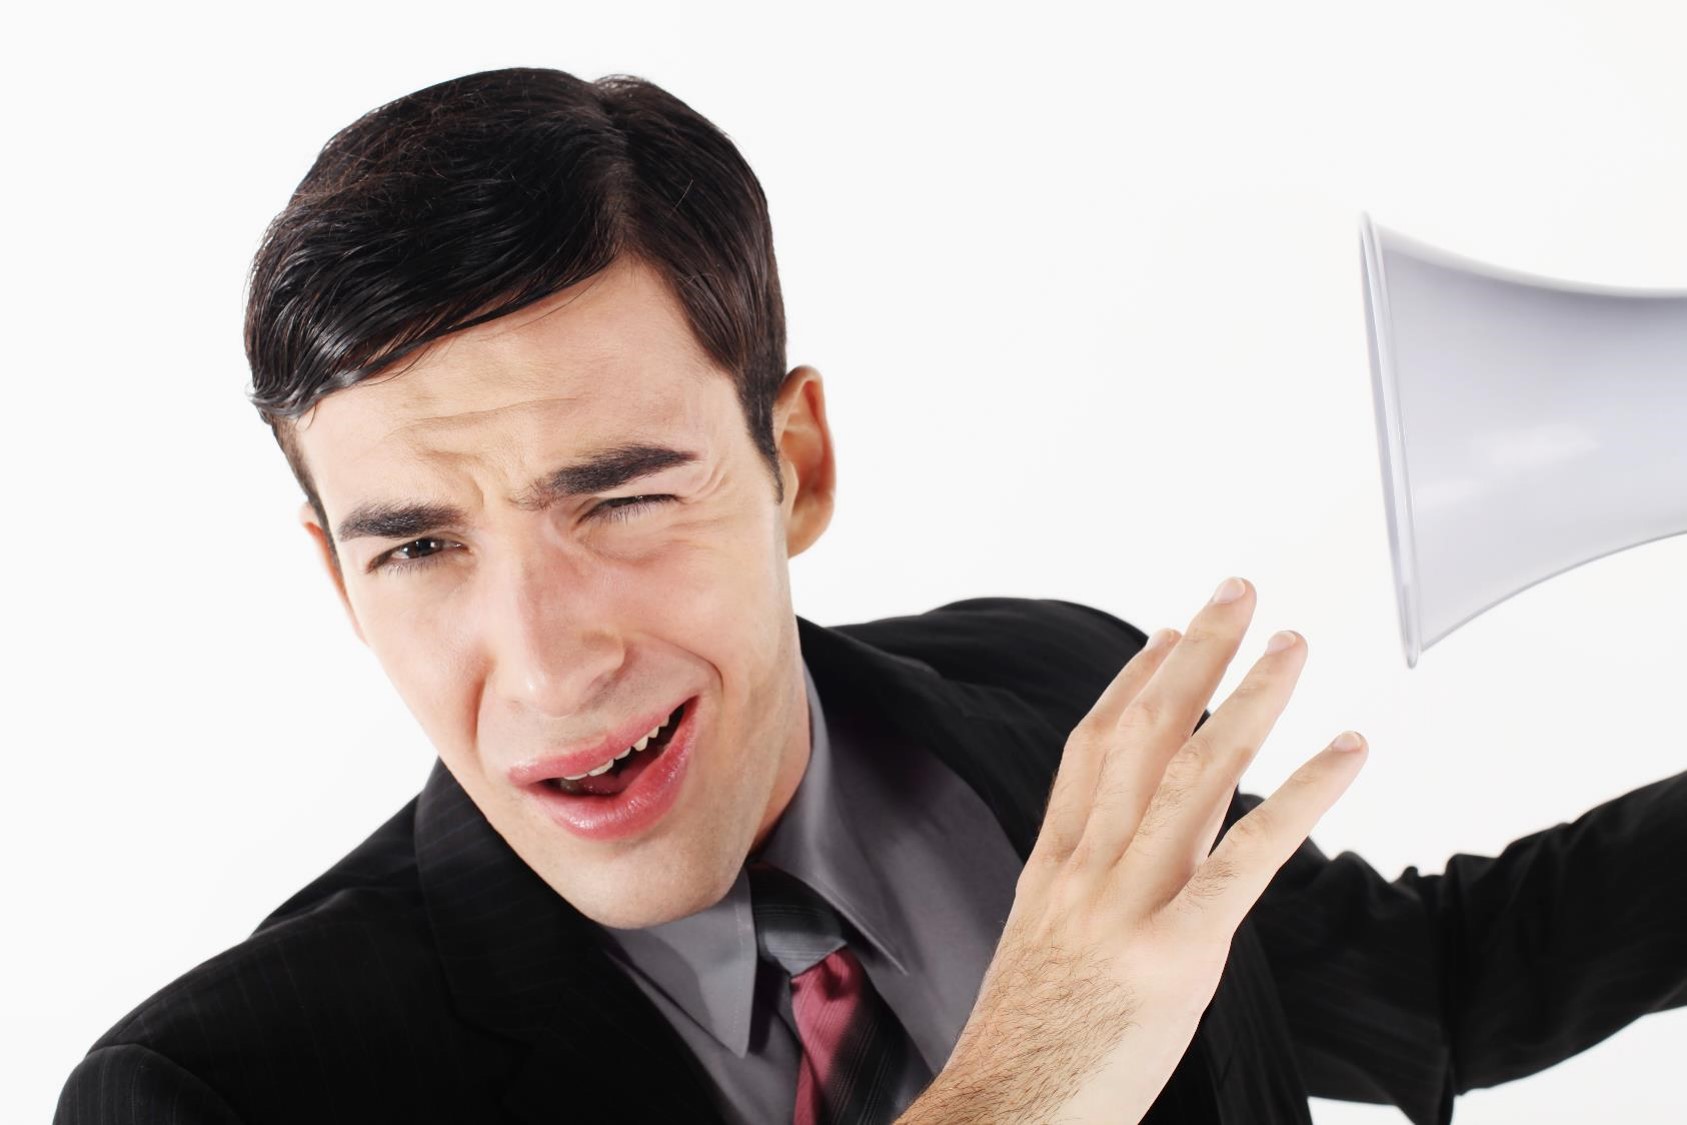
{"x": 130, "y": 1084}
{"x": 858, "y": 1066}
{"x": 430, "y": 976}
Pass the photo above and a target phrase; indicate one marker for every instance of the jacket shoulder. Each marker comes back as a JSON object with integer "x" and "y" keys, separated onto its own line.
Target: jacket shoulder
{"x": 337, "y": 990}
{"x": 127, "y": 1084}
{"x": 1055, "y": 655}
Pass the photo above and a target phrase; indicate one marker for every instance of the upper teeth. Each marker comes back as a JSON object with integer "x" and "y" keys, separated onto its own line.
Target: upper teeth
{"x": 639, "y": 745}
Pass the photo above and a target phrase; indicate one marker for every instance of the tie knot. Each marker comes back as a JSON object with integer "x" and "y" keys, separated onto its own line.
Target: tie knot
{"x": 794, "y": 927}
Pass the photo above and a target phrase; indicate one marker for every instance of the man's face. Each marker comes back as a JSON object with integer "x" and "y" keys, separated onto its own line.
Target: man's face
{"x": 537, "y": 622}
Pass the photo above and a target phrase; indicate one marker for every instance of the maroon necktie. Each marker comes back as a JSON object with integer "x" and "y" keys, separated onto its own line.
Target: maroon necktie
{"x": 858, "y": 1065}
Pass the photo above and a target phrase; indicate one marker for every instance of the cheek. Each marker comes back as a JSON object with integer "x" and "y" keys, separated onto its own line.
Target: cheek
{"x": 720, "y": 590}
{"x": 720, "y": 595}
{"x": 429, "y": 657}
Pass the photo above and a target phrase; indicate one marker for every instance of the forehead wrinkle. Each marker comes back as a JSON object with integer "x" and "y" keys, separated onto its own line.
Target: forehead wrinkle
{"x": 435, "y": 422}
{"x": 500, "y": 351}
{"x": 625, "y": 365}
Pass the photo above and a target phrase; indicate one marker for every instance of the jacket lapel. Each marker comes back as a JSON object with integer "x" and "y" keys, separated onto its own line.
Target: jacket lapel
{"x": 523, "y": 964}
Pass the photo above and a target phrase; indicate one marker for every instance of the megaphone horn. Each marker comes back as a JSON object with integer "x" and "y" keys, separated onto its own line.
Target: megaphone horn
{"x": 1526, "y": 425}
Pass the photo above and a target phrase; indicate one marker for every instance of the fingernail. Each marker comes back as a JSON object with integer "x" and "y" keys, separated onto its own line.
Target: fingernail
{"x": 1280, "y": 641}
{"x": 1159, "y": 640}
{"x": 1229, "y": 590}
{"x": 1347, "y": 740}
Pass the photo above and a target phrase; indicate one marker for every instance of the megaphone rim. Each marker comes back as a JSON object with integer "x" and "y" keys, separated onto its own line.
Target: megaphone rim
{"x": 1397, "y": 493}
{"x": 1378, "y": 233}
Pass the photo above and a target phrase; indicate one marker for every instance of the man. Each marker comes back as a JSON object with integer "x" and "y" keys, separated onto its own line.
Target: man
{"x": 689, "y": 857}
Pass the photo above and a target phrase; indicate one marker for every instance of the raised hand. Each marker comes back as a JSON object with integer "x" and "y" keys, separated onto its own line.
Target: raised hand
{"x": 1124, "y": 912}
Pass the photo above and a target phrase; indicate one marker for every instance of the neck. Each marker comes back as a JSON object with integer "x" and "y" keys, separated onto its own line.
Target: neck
{"x": 793, "y": 764}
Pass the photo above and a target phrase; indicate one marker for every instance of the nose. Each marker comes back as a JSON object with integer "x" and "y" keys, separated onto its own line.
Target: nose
{"x": 554, "y": 643}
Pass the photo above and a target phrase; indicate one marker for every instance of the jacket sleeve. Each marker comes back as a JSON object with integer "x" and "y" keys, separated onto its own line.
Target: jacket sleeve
{"x": 127, "y": 1084}
{"x": 1412, "y": 991}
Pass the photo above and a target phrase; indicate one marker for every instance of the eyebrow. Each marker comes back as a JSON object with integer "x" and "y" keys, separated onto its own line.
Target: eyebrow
{"x": 604, "y": 469}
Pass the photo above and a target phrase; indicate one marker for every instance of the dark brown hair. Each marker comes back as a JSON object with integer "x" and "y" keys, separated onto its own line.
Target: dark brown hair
{"x": 471, "y": 198}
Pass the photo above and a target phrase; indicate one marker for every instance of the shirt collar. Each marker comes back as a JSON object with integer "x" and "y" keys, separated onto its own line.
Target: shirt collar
{"x": 839, "y": 806}
{"x": 706, "y": 962}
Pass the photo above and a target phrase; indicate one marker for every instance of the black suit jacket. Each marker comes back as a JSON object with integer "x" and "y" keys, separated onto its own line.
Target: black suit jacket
{"x": 431, "y": 976}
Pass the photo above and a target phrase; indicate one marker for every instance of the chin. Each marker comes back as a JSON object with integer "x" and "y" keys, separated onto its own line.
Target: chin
{"x": 658, "y": 900}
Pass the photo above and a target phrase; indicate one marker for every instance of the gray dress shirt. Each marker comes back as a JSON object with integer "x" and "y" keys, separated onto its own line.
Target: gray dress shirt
{"x": 910, "y": 857}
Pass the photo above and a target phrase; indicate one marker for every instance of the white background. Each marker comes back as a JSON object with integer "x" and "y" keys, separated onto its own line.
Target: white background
{"x": 1084, "y": 286}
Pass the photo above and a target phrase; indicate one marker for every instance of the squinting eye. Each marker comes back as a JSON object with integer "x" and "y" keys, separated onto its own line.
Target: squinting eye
{"x": 625, "y": 507}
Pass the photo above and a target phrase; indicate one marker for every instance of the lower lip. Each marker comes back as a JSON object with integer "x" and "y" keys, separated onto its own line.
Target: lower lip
{"x": 638, "y": 806}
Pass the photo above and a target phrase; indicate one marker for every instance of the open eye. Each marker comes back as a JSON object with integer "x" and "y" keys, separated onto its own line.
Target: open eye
{"x": 395, "y": 561}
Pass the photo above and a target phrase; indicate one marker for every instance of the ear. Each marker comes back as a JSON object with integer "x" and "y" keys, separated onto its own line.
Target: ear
{"x": 307, "y": 517}
{"x": 804, "y": 441}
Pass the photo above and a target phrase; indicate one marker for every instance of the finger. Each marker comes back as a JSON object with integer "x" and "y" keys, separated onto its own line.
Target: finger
{"x": 1074, "y": 782}
{"x": 1228, "y": 883}
{"x": 1158, "y": 720}
{"x": 1177, "y": 829}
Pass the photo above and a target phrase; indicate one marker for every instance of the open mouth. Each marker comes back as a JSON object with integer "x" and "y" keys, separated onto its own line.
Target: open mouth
{"x": 624, "y": 770}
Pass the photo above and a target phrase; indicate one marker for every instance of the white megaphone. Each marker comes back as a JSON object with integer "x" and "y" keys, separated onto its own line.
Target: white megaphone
{"x": 1526, "y": 425}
